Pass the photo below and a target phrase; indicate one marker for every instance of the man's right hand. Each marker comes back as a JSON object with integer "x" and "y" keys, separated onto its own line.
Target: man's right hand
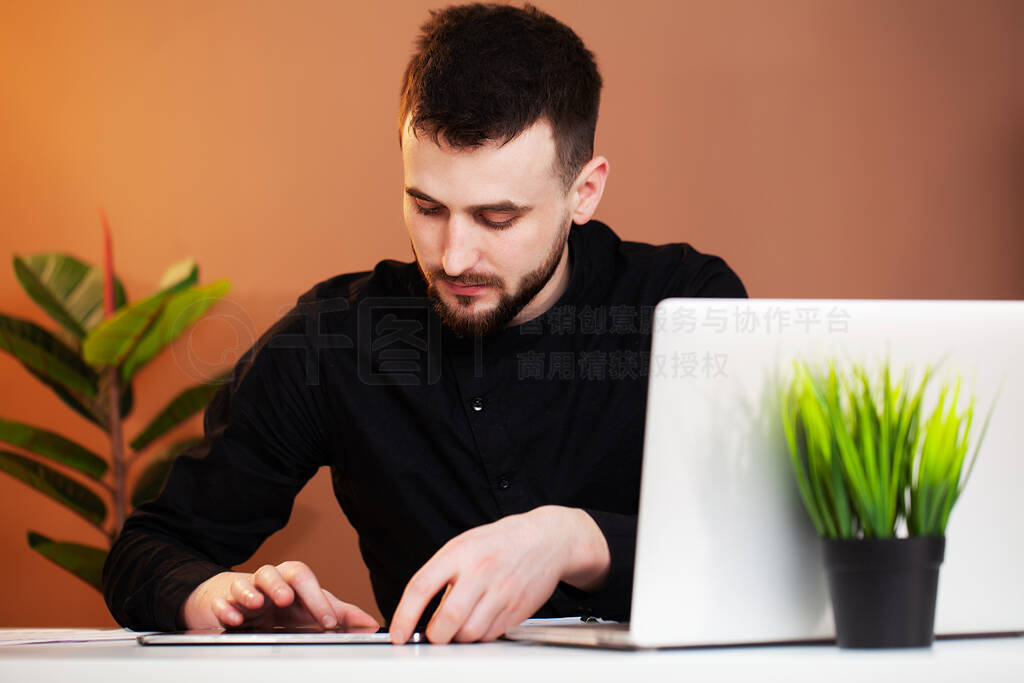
{"x": 286, "y": 595}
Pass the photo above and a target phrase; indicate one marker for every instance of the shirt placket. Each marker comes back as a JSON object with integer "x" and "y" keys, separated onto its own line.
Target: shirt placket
{"x": 487, "y": 395}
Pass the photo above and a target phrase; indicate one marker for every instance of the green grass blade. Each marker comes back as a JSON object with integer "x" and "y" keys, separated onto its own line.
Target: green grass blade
{"x": 940, "y": 472}
{"x": 910, "y": 438}
{"x": 981, "y": 437}
{"x": 816, "y": 442}
{"x": 886, "y": 451}
{"x": 798, "y": 456}
{"x": 841, "y": 500}
{"x": 868, "y": 448}
{"x": 819, "y": 450}
{"x": 847, "y": 452}
{"x": 954, "y": 490}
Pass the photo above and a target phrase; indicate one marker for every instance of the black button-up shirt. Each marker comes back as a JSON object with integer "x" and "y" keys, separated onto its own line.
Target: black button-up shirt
{"x": 427, "y": 434}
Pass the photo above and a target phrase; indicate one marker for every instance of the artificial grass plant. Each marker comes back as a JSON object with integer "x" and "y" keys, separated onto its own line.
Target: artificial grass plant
{"x": 864, "y": 457}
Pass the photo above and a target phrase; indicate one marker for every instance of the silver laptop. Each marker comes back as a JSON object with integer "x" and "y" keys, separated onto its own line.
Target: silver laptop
{"x": 725, "y": 551}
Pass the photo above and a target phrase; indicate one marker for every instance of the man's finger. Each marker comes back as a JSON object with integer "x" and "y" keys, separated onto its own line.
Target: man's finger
{"x": 225, "y": 613}
{"x": 420, "y": 590}
{"x": 507, "y": 617}
{"x": 456, "y": 607}
{"x": 245, "y": 594}
{"x": 273, "y": 585}
{"x": 351, "y": 617}
{"x": 478, "y": 626}
{"x": 304, "y": 582}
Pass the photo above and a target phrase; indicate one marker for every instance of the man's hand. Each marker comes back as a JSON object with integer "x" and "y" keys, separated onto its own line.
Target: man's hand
{"x": 499, "y": 574}
{"x": 286, "y": 595}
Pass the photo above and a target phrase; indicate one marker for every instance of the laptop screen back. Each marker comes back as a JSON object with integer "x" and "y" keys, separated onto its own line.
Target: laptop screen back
{"x": 725, "y": 551}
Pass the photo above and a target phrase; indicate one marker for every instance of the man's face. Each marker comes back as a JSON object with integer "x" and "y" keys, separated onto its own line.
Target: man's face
{"x": 488, "y": 227}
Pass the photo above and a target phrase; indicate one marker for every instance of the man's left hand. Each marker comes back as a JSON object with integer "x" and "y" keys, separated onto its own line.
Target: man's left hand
{"x": 501, "y": 573}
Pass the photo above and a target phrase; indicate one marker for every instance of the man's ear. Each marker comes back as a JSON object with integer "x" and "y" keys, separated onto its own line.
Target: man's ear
{"x": 588, "y": 188}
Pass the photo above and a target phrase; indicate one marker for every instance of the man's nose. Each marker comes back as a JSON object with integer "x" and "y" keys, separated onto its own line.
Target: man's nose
{"x": 460, "y": 249}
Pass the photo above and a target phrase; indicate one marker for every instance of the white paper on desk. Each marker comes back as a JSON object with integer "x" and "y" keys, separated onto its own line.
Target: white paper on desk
{"x": 43, "y": 636}
{"x": 559, "y": 621}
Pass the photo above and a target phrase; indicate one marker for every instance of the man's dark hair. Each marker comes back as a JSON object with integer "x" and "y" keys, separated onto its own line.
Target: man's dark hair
{"x": 487, "y": 72}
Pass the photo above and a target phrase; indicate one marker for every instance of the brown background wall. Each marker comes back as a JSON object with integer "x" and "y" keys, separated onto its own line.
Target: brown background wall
{"x": 837, "y": 148}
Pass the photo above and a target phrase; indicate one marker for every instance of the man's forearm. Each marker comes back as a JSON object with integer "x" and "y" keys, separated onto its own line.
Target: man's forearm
{"x": 147, "y": 578}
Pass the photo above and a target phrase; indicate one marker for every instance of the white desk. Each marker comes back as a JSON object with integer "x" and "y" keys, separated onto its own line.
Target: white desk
{"x": 998, "y": 659}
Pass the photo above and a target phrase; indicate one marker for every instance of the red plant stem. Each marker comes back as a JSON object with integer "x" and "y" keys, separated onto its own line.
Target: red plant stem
{"x": 108, "y": 267}
{"x": 117, "y": 450}
{"x": 116, "y": 429}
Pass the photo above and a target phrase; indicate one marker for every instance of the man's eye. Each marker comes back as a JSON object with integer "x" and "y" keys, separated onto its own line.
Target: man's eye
{"x": 427, "y": 210}
{"x": 498, "y": 220}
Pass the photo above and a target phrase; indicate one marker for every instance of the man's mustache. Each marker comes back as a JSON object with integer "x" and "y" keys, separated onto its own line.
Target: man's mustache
{"x": 466, "y": 280}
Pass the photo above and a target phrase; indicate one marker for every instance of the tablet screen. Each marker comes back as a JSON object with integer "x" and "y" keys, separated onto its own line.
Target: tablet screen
{"x": 274, "y": 636}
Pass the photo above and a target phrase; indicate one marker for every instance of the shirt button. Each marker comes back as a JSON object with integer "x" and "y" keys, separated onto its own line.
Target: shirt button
{"x": 478, "y": 403}
{"x": 504, "y": 483}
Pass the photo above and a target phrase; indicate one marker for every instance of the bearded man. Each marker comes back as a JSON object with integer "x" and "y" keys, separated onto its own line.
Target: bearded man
{"x": 481, "y": 408}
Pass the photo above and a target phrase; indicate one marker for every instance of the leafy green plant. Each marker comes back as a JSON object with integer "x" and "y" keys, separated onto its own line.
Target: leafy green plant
{"x": 864, "y": 460}
{"x": 90, "y": 362}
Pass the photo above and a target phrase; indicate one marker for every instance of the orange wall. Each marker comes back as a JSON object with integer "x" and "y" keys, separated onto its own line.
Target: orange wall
{"x": 839, "y": 148}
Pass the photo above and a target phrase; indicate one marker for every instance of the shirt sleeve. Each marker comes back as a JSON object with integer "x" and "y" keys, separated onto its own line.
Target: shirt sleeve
{"x": 263, "y": 441}
{"x": 704, "y": 275}
{"x": 698, "y": 275}
{"x": 612, "y": 600}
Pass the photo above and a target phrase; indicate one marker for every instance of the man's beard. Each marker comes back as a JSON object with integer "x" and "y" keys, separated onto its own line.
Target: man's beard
{"x": 509, "y": 305}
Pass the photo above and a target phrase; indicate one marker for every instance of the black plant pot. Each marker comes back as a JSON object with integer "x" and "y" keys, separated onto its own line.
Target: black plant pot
{"x": 883, "y": 590}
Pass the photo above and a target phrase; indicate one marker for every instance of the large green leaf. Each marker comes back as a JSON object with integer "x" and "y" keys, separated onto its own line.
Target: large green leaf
{"x": 111, "y": 342}
{"x": 70, "y": 291}
{"x": 40, "y": 351}
{"x": 59, "y": 367}
{"x": 52, "y": 483}
{"x": 113, "y": 339}
{"x": 178, "y": 276}
{"x": 95, "y": 409}
{"x": 149, "y": 483}
{"x": 181, "y": 407}
{"x": 53, "y": 446}
{"x": 180, "y": 311}
{"x": 80, "y": 404}
{"x": 84, "y": 561}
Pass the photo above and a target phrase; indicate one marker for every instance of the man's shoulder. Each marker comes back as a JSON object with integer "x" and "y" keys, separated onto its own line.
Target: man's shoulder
{"x": 389, "y": 278}
{"x": 330, "y": 305}
{"x": 659, "y": 270}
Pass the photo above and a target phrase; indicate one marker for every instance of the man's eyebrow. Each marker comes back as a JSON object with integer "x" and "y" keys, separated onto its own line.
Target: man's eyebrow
{"x": 505, "y": 206}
